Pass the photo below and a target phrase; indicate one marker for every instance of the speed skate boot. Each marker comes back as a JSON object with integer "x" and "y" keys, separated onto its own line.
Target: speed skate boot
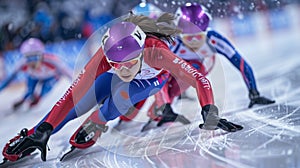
{"x": 10, "y": 147}
{"x": 35, "y": 100}
{"x": 154, "y": 114}
{"x": 163, "y": 115}
{"x": 132, "y": 112}
{"x": 168, "y": 115}
{"x": 87, "y": 134}
{"x": 18, "y": 104}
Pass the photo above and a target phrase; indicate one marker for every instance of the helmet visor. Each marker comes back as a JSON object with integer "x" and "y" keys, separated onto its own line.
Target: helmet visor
{"x": 33, "y": 58}
{"x": 127, "y": 64}
{"x": 196, "y": 36}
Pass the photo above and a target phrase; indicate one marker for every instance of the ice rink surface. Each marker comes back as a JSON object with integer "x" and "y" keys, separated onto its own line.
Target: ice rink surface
{"x": 270, "y": 137}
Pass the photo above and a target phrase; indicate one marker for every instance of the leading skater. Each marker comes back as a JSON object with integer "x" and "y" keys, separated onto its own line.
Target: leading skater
{"x": 40, "y": 68}
{"x": 130, "y": 66}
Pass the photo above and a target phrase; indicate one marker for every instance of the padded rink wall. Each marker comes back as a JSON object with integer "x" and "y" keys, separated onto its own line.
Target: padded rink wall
{"x": 67, "y": 51}
{"x": 260, "y": 24}
{"x": 259, "y": 33}
{"x": 257, "y": 27}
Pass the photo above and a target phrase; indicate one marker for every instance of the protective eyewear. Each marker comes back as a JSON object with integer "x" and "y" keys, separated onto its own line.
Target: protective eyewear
{"x": 33, "y": 58}
{"x": 128, "y": 64}
{"x": 190, "y": 37}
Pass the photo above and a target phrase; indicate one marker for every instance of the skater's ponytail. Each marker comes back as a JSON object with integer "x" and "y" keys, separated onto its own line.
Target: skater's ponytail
{"x": 162, "y": 27}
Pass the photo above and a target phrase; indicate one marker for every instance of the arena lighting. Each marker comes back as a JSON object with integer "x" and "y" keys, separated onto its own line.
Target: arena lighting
{"x": 143, "y": 4}
{"x": 188, "y": 4}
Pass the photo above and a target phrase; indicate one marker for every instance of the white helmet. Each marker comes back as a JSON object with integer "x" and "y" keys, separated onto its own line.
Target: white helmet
{"x": 32, "y": 46}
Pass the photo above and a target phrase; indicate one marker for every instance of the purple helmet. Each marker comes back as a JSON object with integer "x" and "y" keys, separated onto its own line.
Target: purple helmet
{"x": 123, "y": 41}
{"x": 32, "y": 46}
{"x": 192, "y": 18}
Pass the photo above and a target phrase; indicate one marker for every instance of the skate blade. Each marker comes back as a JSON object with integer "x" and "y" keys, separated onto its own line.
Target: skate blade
{"x": 183, "y": 120}
{"x": 147, "y": 126}
{"x": 68, "y": 154}
{"x": 6, "y": 163}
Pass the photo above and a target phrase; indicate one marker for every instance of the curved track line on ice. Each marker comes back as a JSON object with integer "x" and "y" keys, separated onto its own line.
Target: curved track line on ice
{"x": 225, "y": 160}
{"x": 275, "y": 122}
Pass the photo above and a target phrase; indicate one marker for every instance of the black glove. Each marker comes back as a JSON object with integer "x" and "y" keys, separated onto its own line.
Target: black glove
{"x": 255, "y": 98}
{"x": 37, "y": 140}
{"x": 212, "y": 121}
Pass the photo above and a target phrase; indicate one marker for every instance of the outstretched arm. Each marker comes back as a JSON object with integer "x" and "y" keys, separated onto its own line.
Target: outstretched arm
{"x": 162, "y": 57}
{"x": 60, "y": 66}
{"x": 96, "y": 66}
{"x": 64, "y": 69}
{"x": 180, "y": 69}
{"x": 12, "y": 76}
{"x": 224, "y": 47}
{"x": 7, "y": 81}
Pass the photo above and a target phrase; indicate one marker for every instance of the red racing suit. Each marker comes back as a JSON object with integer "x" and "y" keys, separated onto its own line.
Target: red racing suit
{"x": 156, "y": 54}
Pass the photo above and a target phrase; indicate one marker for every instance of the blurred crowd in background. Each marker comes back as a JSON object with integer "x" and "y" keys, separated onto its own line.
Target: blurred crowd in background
{"x": 57, "y": 20}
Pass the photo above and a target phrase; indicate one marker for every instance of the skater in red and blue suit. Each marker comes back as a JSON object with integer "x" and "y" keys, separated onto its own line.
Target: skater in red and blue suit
{"x": 40, "y": 68}
{"x": 133, "y": 63}
{"x": 198, "y": 44}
